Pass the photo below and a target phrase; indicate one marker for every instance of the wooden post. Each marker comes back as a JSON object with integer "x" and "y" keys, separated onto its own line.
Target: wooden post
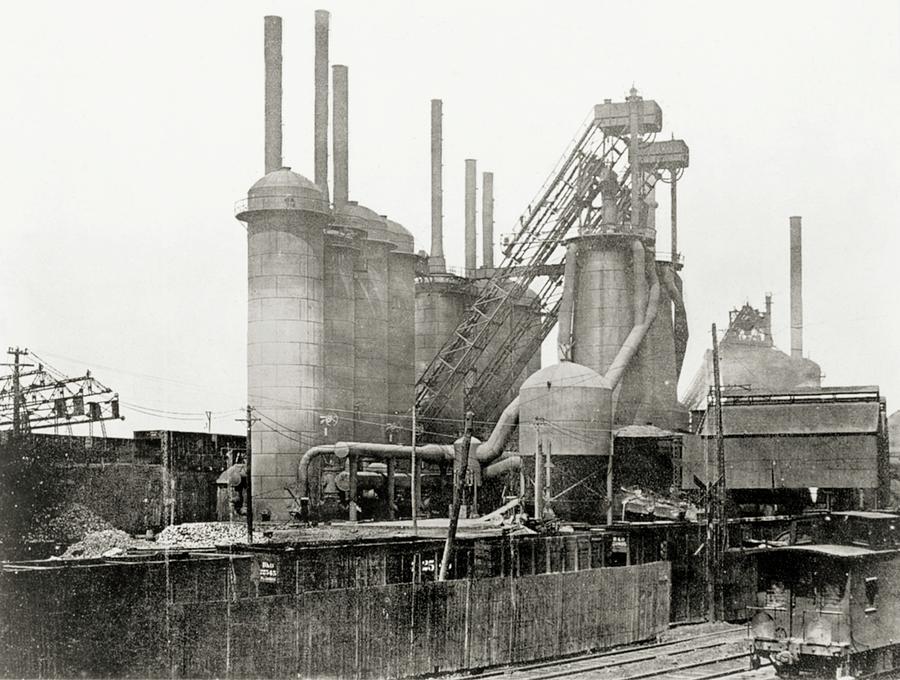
{"x": 390, "y": 487}
{"x": 353, "y": 461}
{"x": 459, "y": 480}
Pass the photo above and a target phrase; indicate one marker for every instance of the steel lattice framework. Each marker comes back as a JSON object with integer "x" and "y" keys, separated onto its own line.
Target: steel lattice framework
{"x": 566, "y": 204}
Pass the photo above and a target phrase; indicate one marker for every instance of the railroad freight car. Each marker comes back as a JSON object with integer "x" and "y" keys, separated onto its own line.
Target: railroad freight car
{"x": 832, "y": 607}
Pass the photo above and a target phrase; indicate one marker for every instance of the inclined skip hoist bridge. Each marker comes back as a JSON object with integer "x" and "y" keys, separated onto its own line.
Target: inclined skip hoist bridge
{"x": 591, "y": 190}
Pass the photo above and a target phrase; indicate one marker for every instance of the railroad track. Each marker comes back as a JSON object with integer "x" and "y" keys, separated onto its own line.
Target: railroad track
{"x": 625, "y": 662}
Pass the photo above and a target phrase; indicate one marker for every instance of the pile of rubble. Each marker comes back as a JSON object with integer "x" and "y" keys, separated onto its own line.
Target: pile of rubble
{"x": 99, "y": 544}
{"x": 66, "y": 524}
{"x": 205, "y": 534}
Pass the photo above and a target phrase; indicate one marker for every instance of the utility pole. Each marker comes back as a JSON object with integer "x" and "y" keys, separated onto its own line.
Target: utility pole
{"x": 413, "y": 474}
{"x": 209, "y": 422}
{"x": 17, "y": 366}
{"x": 539, "y": 472}
{"x": 459, "y": 480}
{"x": 720, "y": 538}
{"x": 248, "y": 460}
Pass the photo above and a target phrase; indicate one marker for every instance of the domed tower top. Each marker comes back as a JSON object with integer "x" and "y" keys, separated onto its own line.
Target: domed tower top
{"x": 399, "y": 235}
{"x": 282, "y": 189}
{"x": 352, "y": 214}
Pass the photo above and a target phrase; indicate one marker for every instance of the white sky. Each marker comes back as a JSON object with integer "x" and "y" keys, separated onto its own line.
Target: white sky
{"x": 128, "y": 132}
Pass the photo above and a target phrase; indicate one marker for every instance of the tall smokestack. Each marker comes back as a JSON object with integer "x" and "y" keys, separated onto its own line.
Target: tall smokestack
{"x": 341, "y": 136}
{"x": 471, "y": 239}
{"x": 796, "y": 290}
{"x": 321, "y": 101}
{"x": 769, "y": 316}
{"x": 436, "y": 262}
{"x": 487, "y": 220}
{"x": 273, "y": 92}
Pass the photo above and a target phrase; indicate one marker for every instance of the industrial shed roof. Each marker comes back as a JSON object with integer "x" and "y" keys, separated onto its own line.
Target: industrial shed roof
{"x": 796, "y": 419}
{"x": 831, "y": 550}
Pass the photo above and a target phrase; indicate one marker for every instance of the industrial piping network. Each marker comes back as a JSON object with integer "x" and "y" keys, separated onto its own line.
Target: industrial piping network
{"x": 486, "y": 453}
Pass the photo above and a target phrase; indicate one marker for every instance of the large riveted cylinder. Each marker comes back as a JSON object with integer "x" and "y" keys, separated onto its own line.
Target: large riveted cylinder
{"x": 401, "y": 347}
{"x": 285, "y": 215}
{"x": 342, "y": 251}
{"x": 566, "y": 408}
{"x": 604, "y": 298}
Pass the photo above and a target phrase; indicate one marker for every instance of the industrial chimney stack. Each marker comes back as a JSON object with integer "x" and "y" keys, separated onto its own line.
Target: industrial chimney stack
{"x": 272, "y": 49}
{"x": 341, "y": 138}
{"x": 487, "y": 220}
{"x": 436, "y": 262}
{"x": 471, "y": 237}
{"x": 796, "y": 290}
{"x": 320, "y": 122}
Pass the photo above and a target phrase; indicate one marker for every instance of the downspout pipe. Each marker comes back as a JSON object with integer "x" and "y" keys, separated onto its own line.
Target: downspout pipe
{"x": 639, "y": 331}
{"x": 491, "y": 449}
{"x": 567, "y": 304}
{"x": 680, "y": 324}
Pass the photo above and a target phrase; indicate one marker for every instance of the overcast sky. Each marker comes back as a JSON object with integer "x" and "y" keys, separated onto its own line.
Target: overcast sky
{"x": 128, "y": 134}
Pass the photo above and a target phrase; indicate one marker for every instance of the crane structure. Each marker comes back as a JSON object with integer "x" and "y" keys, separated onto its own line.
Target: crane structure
{"x": 36, "y": 396}
{"x": 590, "y": 191}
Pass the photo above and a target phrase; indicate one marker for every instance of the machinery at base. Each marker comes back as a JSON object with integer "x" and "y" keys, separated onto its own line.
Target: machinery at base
{"x": 830, "y": 605}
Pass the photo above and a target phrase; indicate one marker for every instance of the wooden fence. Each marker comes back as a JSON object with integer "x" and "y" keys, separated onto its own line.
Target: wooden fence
{"x": 388, "y": 631}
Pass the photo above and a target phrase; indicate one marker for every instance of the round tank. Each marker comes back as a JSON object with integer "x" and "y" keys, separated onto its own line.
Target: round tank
{"x": 371, "y": 322}
{"x": 401, "y": 329}
{"x": 285, "y": 215}
{"x": 604, "y": 298}
{"x": 342, "y": 254}
{"x": 567, "y": 407}
{"x": 574, "y": 401}
{"x": 441, "y": 301}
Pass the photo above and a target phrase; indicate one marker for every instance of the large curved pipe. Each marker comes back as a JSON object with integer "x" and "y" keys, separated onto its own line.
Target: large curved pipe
{"x": 303, "y": 467}
{"x": 497, "y": 468}
{"x": 493, "y": 447}
{"x": 432, "y": 453}
{"x": 639, "y": 267}
{"x": 567, "y": 304}
{"x": 638, "y": 332}
{"x": 680, "y": 325}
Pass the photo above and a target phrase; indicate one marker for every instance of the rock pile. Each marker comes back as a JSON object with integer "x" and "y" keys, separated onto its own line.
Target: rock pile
{"x": 205, "y": 534}
{"x": 97, "y": 543}
{"x": 67, "y": 524}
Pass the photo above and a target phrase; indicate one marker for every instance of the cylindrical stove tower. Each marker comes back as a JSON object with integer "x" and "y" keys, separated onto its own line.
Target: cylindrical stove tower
{"x": 285, "y": 215}
{"x": 401, "y": 347}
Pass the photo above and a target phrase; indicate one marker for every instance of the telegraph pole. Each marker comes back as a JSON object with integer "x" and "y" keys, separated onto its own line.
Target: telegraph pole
{"x": 721, "y": 528}
{"x": 17, "y": 366}
{"x": 413, "y": 473}
{"x": 248, "y": 458}
{"x": 459, "y": 480}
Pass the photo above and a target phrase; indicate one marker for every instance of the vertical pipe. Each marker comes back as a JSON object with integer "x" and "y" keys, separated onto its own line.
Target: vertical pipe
{"x": 272, "y": 49}
{"x": 341, "y": 138}
{"x": 673, "y": 211}
{"x": 769, "y": 316}
{"x": 321, "y": 101}
{"x": 634, "y": 160}
{"x": 353, "y": 460}
{"x": 390, "y": 486}
{"x": 487, "y": 220}
{"x": 796, "y": 290}
{"x": 471, "y": 245}
{"x": 436, "y": 261}
{"x": 539, "y": 479}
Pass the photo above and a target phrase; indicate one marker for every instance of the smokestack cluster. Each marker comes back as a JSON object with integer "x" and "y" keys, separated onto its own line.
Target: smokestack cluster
{"x": 272, "y": 49}
{"x": 796, "y": 290}
{"x": 320, "y": 121}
